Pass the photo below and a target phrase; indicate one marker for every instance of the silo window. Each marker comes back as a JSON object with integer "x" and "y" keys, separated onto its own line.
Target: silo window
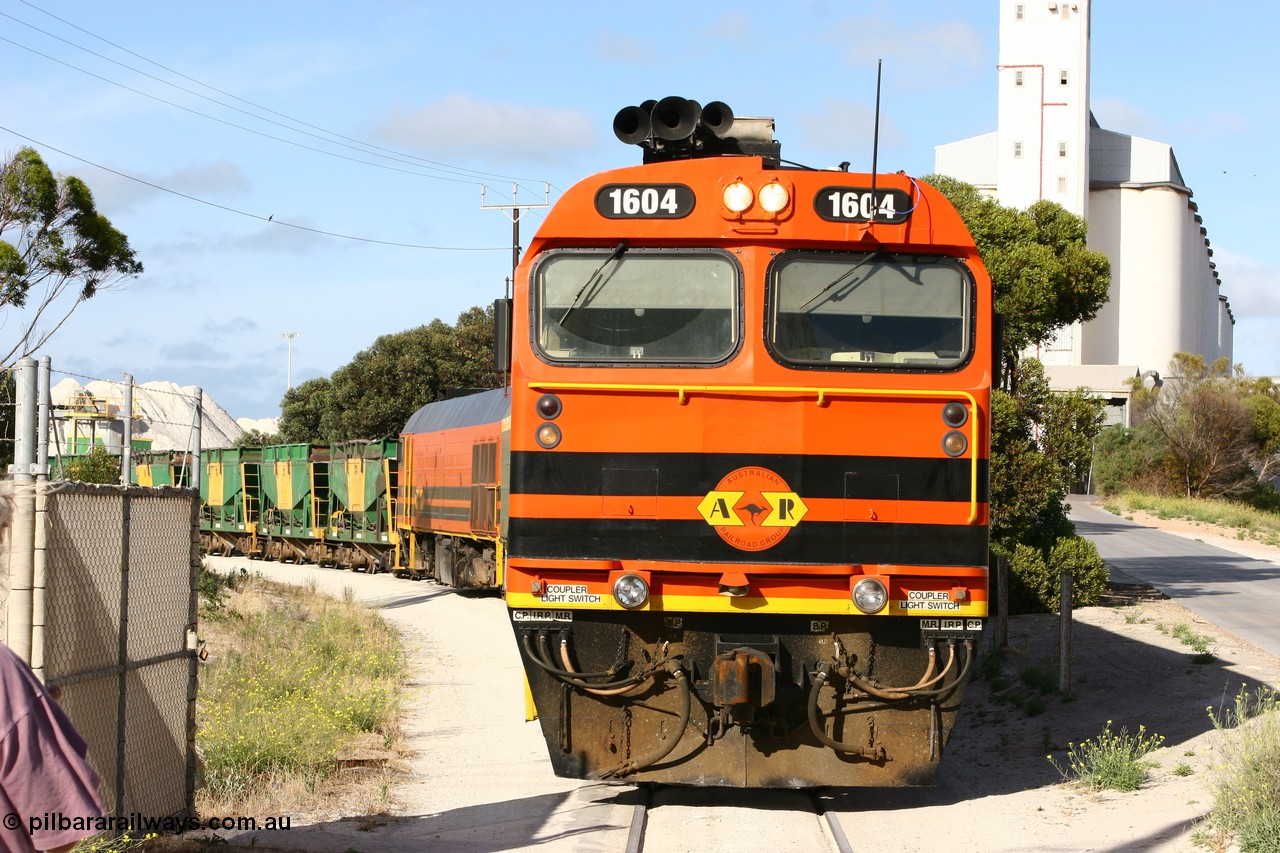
{"x": 1062, "y": 149}
{"x": 1062, "y": 77}
{"x": 1017, "y": 78}
{"x": 1017, "y": 149}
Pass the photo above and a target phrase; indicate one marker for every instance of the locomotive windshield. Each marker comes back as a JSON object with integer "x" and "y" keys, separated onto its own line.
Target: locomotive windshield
{"x": 637, "y": 305}
{"x": 870, "y": 310}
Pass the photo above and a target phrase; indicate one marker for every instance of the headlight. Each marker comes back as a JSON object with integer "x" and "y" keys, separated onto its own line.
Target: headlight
{"x": 870, "y": 595}
{"x": 631, "y": 591}
{"x": 549, "y": 406}
{"x": 737, "y": 196}
{"x": 774, "y": 197}
{"x": 548, "y": 435}
{"x": 954, "y": 414}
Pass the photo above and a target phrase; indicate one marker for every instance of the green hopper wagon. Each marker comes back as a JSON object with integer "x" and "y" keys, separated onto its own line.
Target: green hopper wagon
{"x": 295, "y": 503}
{"x": 362, "y": 489}
{"x": 230, "y": 500}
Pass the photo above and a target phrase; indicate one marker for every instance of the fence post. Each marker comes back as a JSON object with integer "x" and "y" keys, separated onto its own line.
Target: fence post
{"x": 126, "y": 449}
{"x": 122, "y": 652}
{"x": 1064, "y": 634}
{"x": 196, "y": 419}
{"x": 40, "y": 538}
{"x": 1002, "y": 602}
{"x": 21, "y": 567}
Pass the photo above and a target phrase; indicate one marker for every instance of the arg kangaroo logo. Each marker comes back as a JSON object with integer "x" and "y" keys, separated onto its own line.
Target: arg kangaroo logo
{"x": 752, "y": 509}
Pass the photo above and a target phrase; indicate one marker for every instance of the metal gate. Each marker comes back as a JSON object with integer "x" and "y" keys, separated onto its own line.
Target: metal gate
{"x": 114, "y": 624}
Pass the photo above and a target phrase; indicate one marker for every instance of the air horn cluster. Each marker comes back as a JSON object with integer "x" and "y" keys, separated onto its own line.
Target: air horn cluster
{"x": 676, "y": 128}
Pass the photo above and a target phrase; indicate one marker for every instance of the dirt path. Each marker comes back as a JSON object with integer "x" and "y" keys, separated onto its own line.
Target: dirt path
{"x": 997, "y": 790}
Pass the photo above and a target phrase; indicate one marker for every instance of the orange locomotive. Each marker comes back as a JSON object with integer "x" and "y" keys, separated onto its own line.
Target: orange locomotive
{"x": 747, "y": 526}
{"x": 448, "y": 500}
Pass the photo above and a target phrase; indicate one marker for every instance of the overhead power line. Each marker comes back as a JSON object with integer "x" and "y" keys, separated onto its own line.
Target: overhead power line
{"x": 269, "y": 218}
{"x": 456, "y": 180}
{"x": 355, "y": 144}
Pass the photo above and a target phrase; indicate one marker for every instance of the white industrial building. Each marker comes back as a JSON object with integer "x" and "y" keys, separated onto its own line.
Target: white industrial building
{"x": 1165, "y": 295}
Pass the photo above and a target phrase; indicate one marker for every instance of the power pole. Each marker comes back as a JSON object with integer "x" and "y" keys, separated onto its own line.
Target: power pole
{"x": 514, "y": 210}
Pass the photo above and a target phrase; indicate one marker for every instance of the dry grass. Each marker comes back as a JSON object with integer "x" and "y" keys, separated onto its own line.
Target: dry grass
{"x": 299, "y": 703}
{"x": 1241, "y": 520}
{"x": 1246, "y": 779}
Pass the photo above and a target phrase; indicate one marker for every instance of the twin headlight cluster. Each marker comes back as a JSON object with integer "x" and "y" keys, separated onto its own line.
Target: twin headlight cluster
{"x": 772, "y": 198}
{"x": 870, "y": 595}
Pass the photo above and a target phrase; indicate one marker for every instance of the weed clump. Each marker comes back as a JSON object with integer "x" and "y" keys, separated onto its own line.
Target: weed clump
{"x": 1246, "y": 779}
{"x": 1113, "y": 760}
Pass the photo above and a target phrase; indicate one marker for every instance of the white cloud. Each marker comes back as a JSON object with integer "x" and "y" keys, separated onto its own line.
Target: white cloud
{"x": 1121, "y": 116}
{"x": 1252, "y": 285}
{"x": 623, "y": 48}
{"x": 938, "y": 55}
{"x": 845, "y": 129}
{"x": 459, "y": 127}
{"x": 228, "y": 327}
{"x": 1215, "y": 125}
{"x": 114, "y": 193}
{"x": 731, "y": 26}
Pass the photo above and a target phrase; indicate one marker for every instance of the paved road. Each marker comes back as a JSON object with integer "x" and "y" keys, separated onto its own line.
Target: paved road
{"x": 1237, "y": 593}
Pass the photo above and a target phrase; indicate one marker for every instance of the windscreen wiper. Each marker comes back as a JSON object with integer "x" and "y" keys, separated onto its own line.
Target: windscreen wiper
{"x": 842, "y": 277}
{"x": 593, "y": 279}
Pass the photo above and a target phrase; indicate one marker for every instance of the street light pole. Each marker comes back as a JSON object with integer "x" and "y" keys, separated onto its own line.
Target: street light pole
{"x": 288, "y": 337}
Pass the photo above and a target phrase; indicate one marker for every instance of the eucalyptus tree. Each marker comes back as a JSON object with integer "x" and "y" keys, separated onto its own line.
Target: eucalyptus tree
{"x": 56, "y": 252}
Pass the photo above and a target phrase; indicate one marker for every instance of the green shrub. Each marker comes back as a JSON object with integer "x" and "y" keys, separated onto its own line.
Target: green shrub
{"x": 1035, "y": 584}
{"x": 1125, "y": 458}
{"x": 96, "y": 466}
{"x": 1089, "y": 574}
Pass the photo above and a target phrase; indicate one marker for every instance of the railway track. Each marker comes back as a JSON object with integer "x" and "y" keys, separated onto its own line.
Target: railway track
{"x": 675, "y": 818}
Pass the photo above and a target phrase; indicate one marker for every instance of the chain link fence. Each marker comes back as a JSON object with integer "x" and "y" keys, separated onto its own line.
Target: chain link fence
{"x": 99, "y": 592}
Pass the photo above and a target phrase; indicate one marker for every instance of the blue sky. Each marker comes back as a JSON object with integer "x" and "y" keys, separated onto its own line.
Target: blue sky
{"x": 458, "y": 95}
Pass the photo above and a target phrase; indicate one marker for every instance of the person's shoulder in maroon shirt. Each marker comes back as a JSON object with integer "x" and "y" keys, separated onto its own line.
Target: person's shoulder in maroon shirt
{"x": 42, "y": 764}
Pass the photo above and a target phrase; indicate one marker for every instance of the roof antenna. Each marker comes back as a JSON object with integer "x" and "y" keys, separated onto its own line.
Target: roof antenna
{"x": 875, "y": 146}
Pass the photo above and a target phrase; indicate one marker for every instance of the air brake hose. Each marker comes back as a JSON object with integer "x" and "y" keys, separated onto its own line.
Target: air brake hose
{"x": 575, "y": 678}
{"x": 960, "y": 679}
{"x": 571, "y": 678}
{"x": 636, "y": 764}
{"x": 598, "y": 691}
{"x": 564, "y": 656}
{"x": 819, "y": 679}
{"x": 900, "y": 693}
